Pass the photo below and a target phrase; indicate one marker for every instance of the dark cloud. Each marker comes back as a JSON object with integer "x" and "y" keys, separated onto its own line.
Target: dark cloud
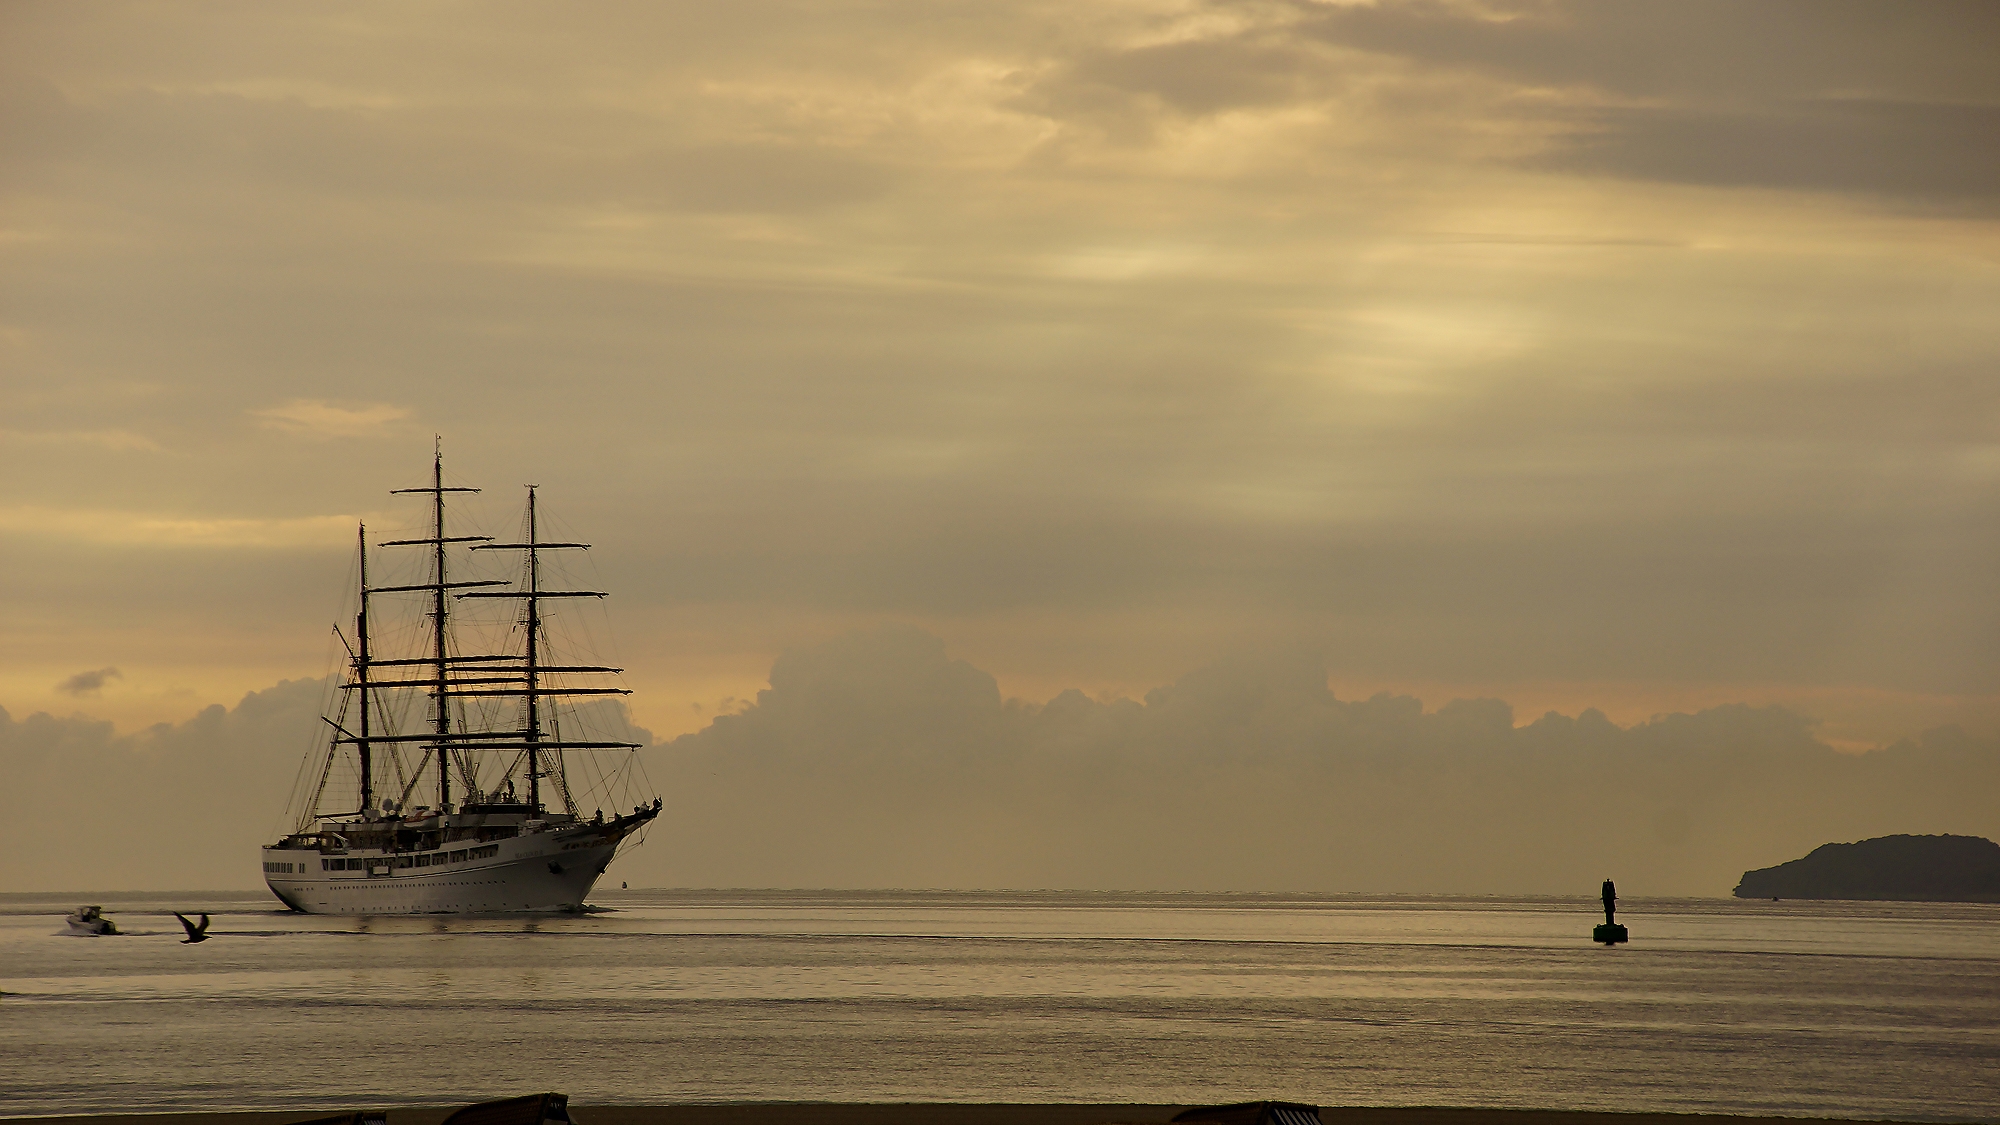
{"x": 875, "y": 760}
{"x": 88, "y": 683}
{"x": 1889, "y": 99}
{"x": 1890, "y": 148}
{"x": 1705, "y": 50}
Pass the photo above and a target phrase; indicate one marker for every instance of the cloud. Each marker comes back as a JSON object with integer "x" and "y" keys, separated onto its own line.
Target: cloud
{"x": 89, "y": 683}
{"x": 146, "y": 529}
{"x": 1814, "y": 97}
{"x": 319, "y": 418}
{"x": 745, "y": 178}
{"x": 1706, "y": 49}
{"x": 876, "y": 760}
{"x": 1891, "y": 148}
{"x": 218, "y": 779}
{"x": 116, "y": 440}
{"x": 1099, "y": 338}
{"x": 1196, "y": 77}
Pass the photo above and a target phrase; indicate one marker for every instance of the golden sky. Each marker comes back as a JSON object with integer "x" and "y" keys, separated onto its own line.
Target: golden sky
{"x": 1628, "y": 355}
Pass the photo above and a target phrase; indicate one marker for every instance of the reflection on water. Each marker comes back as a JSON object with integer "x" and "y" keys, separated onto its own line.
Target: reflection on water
{"x": 1841, "y": 1009}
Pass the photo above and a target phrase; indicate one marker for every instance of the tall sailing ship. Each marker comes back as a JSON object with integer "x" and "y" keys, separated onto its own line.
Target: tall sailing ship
{"x": 476, "y": 809}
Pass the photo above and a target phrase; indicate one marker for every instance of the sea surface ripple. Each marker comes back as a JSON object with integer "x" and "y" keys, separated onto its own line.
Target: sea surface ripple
{"x": 1849, "y": 1010}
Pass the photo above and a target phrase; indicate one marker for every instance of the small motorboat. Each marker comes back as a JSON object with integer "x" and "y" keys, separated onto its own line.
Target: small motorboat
{"x": 89, "y": 921}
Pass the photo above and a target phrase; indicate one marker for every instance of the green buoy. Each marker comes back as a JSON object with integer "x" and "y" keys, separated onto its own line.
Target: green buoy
{"x": 1610, "y": 933}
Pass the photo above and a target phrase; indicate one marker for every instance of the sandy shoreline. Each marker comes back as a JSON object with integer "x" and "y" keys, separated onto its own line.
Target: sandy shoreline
{"x": 941, "y": 1114}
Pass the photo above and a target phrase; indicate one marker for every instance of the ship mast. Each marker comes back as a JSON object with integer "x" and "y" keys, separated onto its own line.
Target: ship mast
{"x": 480, "y": 675}
{"x": 440, "y": 687}
{"x": 534, "y": 674}
{"x": 364, "y": 745}
{"x": 532, "y": 664}
{"x": 443, "y": 691}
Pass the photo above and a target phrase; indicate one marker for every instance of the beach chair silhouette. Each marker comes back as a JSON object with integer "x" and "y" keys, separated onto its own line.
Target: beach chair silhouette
{"x": 1252, "y": 1113}
{"x": 358, "y": 1117}
{"x": 529, "y": 1109}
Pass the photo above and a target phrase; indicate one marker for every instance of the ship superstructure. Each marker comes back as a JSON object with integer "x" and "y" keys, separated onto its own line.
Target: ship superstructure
{"x": 474, "y": 811}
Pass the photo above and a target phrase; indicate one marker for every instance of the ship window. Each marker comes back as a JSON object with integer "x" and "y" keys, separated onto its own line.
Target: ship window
{"x": 458, "y": 857}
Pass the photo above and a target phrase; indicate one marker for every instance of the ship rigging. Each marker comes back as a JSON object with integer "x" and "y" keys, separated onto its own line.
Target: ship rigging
{"x": 499, "y": 719}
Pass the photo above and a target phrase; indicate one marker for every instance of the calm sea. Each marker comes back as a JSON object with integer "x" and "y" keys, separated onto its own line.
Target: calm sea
{"x": 1821, "y": 1009}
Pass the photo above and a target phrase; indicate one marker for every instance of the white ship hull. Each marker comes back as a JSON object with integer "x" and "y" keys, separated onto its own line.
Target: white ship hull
{"x": 540, "y": 872}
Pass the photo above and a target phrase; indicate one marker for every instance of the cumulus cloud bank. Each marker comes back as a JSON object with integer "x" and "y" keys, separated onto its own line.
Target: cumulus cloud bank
{"x": 875, "y": 760}
{"x": 175, "y": 806}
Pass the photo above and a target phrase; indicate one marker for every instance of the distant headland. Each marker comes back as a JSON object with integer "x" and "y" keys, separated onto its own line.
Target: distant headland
{"x": 1886, "y": 869}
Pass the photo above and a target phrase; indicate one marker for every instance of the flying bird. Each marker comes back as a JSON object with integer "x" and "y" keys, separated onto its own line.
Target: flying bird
{"x": 195, "y": 932}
